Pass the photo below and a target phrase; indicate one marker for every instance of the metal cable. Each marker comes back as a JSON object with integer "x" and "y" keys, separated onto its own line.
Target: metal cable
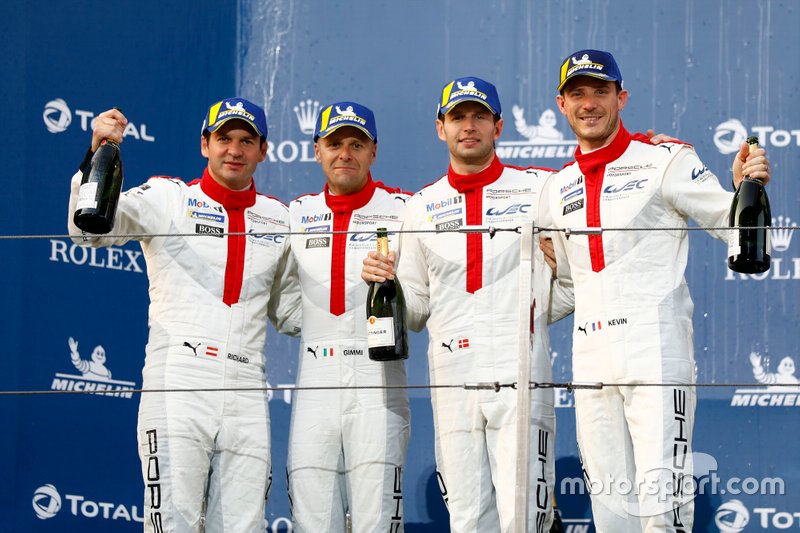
{"x": 496, "y": 386}
{"x": 485, "y": 385}
{"x": 491, "y": 230}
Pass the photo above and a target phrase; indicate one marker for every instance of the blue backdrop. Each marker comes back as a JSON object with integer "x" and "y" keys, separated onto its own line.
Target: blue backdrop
{"x": 707, "y": 72}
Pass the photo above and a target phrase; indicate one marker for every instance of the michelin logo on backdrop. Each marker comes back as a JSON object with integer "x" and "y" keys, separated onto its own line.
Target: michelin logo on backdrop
{"x": 543, "y": 140}
{"x": 95, "y": 376}
{"x": 47, "y": 503}
{"x": 782, "y": 394}
{"x": 730, "y": 135}
{"x": 783, "y": 266}
{"x": 57, "y": 118}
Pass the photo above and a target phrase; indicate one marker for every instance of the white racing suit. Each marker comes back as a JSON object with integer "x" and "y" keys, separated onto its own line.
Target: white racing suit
{"x": 347, "y": 447}
{"x": 633, "y": 322}
{"x": 210, "y": 296}
{"x": 466, "y": 287}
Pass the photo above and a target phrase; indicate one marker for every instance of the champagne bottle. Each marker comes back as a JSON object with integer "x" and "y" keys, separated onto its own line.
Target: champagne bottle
{"x": 387, "y": 336}
{"x": 749, "y": 247}
{"x": 101, "y": 185}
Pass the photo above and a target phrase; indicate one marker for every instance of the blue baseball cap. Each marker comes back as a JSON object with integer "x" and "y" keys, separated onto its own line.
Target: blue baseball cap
{"x": 235, "y": 108}
{"x": 340, "y": 114}
{"x": 469, "y": 90}
{"x": 594, "y": 63}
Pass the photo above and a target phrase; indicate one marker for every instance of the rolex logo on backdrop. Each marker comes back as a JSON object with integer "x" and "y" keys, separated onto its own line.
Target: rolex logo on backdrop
{"x": 782, "y": 233}
{"x": 300, "y": 147}
{"x": 306, "y": 112}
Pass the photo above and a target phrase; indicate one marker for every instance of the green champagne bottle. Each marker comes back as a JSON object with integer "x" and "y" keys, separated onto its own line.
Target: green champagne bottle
{"x": 748, "y": 244}
{"x": 387, "y": 336}
{"x": 101, "y": 185}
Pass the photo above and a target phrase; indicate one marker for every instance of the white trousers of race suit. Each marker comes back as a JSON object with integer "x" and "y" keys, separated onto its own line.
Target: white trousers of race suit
{"x": 186, "y": 438}
{"x": 347, "y": 447}
{"x": 476, "y": 435}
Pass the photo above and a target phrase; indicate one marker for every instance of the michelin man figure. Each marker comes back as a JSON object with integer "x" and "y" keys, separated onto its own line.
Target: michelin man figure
{"x": 94, "y": 369}
{"x": 784, "y": 375}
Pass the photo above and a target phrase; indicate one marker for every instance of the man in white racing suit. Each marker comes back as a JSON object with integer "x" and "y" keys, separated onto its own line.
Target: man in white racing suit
{"x": 633, "y": 315}
{"x": 347, "y": 447}
{"x": 465, "y": 287}
{"x": 210, "y": 295}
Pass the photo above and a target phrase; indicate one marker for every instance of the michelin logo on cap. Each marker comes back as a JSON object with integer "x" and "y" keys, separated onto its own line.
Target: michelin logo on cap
{"x": 594, "y": 63}
{"x": 469, "y": 89}
{"x": 342, "y": 114}
{"x": 235, "y": 108}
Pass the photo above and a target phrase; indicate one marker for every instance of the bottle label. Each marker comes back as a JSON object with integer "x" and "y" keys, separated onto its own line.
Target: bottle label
{"x": 380, "y": 332}
{"x": 87, "y": 196}
{"x": 769, "y": 242}
{"x": 734, "y": 247}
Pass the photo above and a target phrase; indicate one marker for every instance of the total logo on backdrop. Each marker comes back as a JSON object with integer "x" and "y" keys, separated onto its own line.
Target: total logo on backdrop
{"x": 783, "y": 266}
{"x": 733, "y": 517}
{"x": 47, "y": 503}
{"x": 58, "y": 117}
{"x": 730, "y": 135}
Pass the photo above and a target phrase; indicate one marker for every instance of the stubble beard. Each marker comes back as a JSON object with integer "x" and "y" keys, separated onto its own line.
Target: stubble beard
{"x": 472, "y": 157}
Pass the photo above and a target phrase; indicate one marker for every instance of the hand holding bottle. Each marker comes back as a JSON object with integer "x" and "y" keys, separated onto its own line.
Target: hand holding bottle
{"x": 751, "y": 163}
{"x": 108, "y": 125}
{"x": 387, "y": 335}
{"x": 378, "y": 267}
{"x": 749, "y": 247}
{"x": 101, "y": 183}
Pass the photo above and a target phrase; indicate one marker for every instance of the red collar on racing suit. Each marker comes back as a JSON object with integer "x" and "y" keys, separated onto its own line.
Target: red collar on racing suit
{"x": 471, "y": 186}
{"x": 593, "y": 167}
{"x": 343, "y": 207}
{"x": 234, "y": 202}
